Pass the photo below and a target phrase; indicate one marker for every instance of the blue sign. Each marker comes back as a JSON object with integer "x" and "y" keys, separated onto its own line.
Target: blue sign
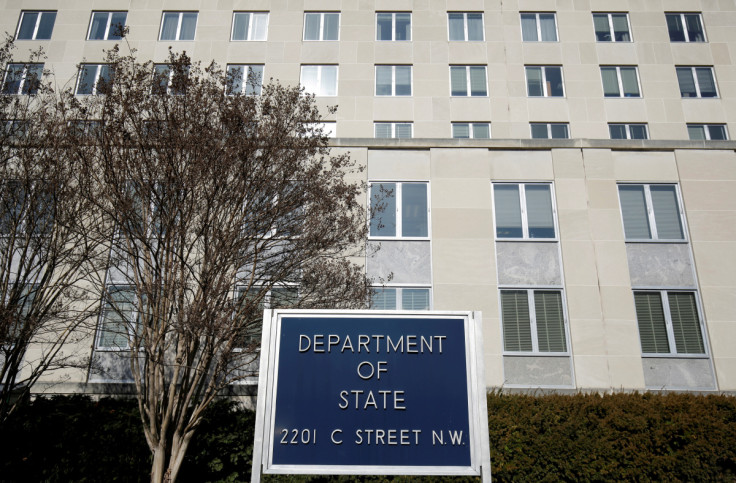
{"x": 364, "y": 391}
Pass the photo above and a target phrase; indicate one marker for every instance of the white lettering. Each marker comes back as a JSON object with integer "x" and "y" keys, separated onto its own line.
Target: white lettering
{"x": 332, "y": 436}
{"x": 303, "y": 337}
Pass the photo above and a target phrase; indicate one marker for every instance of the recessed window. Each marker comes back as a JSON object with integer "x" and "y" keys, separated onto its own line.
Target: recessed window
{"x": 465, "y": 26}
{"x": 524, "y": 210}
{"x": 94, "y": 79}
{"x": 400, "y": 298}
{"x": 168, "y": 80}
{"x": 612, "y": 27}
{"x": 474, "y": 130}
{"x": 696, "y": 82}
{"x": 669, "y": 322}
{"x": 107, "y": 25}
{"x": 36, "y": 25}
{"x": 118, "y": 320}
{"x": 533, "y": 321}
{"x": 538, "y": 27}
{"x": 249, "y": 26}
{"x": 320, "y": 80}
{"x": 468, "y": 80}
{"x": 651, "y": 212}
{"x": 707, "y": 132}
{"x": 22, "y": 79}
{"x": 244, "y": 79}
{"x": 628, "y": 131}
{"x": 321, "y": 25}
{"x": 620, "y": 81}
{"x": 549, "y": 130}
{"x": 685, "y": 27}
{"x": 396, "y": 130}
{"x": 544, "y": 81}
{"x": 178, "y": 26}
{"x": 399, "y": 210}
{"x": 393, "y": 80}
{"x": 393, "y": 26}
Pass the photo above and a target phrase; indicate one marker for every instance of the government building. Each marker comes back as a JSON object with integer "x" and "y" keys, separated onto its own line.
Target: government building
{"x": 563, "y": 166}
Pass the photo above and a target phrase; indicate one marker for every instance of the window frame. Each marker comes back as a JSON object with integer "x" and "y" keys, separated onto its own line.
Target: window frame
{"x": 321, "y": 26}
{"x": 622, "y": 94}
{"x": 250, "y": 26}
{"x": 549, "y": 126}
{"x": 471, "y": 129}
{"x": 524, "y": 211}
{"x": 246, "y": 69}
{"x": 651, "y": 218}
{"x": 685, "y": 33}
{"x": 40, "y": 13}
{"x": 669, "y": 326}
{"x": 538, "y": 26}
{"x": 531, "y": 306}
{"x": 177, "y": 37}
{"x": 696, "y": 83}
{"x": 627, "y": 128}
{"x": 399, "y": 297}
{"x": 108, "y": 31}
{"x": 132, "y": 323}
{"x": 393, "y": 27}
{"x": 706, "y": 131}
{"x": 545, "y": 88}
{"x": 33, "y": 89}
{"x": 468, "y": 80}
{"x": 96, "y": 82}
{"x": 393, "y": 80}
{"x": 611, "y": 30}
{"x": 466, "y": 31}
{"x": 320, "y": 68}
{"x": 398, "y": 201}
{"x": 394, "y": 131}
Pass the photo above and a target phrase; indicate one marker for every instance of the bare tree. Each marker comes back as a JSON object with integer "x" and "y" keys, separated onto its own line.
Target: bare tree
{"x": 221, "y": 202}
{"x": 44, "y": 257}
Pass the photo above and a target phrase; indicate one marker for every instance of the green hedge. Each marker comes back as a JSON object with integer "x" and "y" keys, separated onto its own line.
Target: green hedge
{"x": 643, "y": 437}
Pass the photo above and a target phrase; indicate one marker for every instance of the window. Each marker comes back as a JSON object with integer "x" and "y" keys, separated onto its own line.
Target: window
{"x": 168, "y": 81}
{"x": 612, "y": 27}
{"x": 106, "y": 25}
{"x": 628, "y": 131}
{"x": 83, "y": 129}
{"x": 549, "y": 130}
{"x": 249, "y": 26}
{"x": 651, "y": 212}
{"x": 669, "y": 322}
{"x": 393, "y": 80}
{"x": 244, "y": 79}
{"x": 709, "y": 132}
{"x": 533, "y": 321}
{"x": 321, "y": 26}
{"x": 94, "y": 79}
{"x": 393, "y": 26}
{"x": 401, "y": 210}
{"x": 468, "y": 80}
{"x": 119, "y": 317}
{"x": 524, "y": 210}
{"x": 398, "y": 130}
{"x": 22, "y": 79}
{"x": 178, "y": 26}
{"x": 13, "y": 129}
{"x": 620, "y": 81}
{"x": 696, "y": 82}
{"x": 465, "y": 26}
{"x": 276, "y": 298}
{"x": 26, "y": 209}
{"x": 474, "y": 130}
{"x": 35, "y": 25}
{"x": 544, "y": 81}
{"x": 327, "y": 129}
{"x": 400, "y": 298}
{"x": 538, "y": 27}
{"x": 685, "y": 27}
{"x": 320, "y": 80}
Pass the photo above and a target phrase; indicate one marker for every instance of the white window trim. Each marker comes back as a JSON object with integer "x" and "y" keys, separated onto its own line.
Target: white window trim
{"x": 250, "y": 26}
{"x": 393, "y": 80}
{"x": 321, "y": 26}
{"x": 549, "y": 125}
{"x": 706, "y": 129}
{"x": 627, "y": 126}
{"x": 107, "y": 27}
{"x": 467, "y": 80}
{"x": 393, "y": 27}
{"x": 465, "y": 27}
{"x": 399, "y": 288}
{"x": 471, "y": 128}
{"x": 650, "y": 214}
{"x": 524, "y": 216}
{"x": 320, "y": 67}
{"x": 35, "y": 28}
{"x": 399, "y": 199}
{"x": 180, "y": 13}
{"x": 620, "y": 82}
{"x": 98, "y": 70}
{"x": 545, "y": 91}
{"x": 538, "y": 25}
{"x": 684, "y": 30}
{"x": 611, "y": 32}
{"x": 696, "y": 82}
{"x": 533, "y": 320}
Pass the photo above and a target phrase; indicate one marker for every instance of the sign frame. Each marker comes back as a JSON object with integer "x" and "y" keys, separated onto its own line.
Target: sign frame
{"x": 268, "y": 388}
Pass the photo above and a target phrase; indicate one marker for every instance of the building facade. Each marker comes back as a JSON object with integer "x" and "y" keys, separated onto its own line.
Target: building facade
{"x": 562, "y": 166}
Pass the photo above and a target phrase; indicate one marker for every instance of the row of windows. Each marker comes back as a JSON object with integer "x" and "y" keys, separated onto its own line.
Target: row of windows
{"x": 390, "y": 26}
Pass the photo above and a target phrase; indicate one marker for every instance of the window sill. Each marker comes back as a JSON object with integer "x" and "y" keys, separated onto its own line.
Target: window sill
{"x": 675, "y": 356}
{"x": 536, "y": 354}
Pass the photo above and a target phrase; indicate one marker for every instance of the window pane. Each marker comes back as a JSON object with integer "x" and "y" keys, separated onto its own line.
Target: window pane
{"x": 332, "y": 26}
{"x": 534, "y": 81}
{"x": 550, "y": 321}
{"x": 383, "y": 130}
{"x": 99, "y": 26}
{"x": 478, "y": 81}
{"x": 554, "y": 81}
{"x": 383, "y": 80}
{"x": 383, "y": 299}
{"x": 508, "y": 211}
{"x": 415, "y": 299}
{"x": 403, "y": 26}
{"x": 686, "y": 81}
{"x": 311, "y": 26}
{"x": 86, "y": 79}
{"x": 260, "y": 23}
{"x": 630, "y": 82}
{"x": 254, "y": 80}
{"x": 458, "y": 81}
{"x": 461, "y": 130}
{"x": 621, "y": 28}
{"x": 414, "y": 209}
{"x": 283, "y": 297}
{"x": 383, "y": 199}
{"x": 310, "y": 76}
{"x": 685, "y": 323}
{"x": 28, "y": 25}
{"x": 529, "y": 27}
{"x": 235, "y": 79}
{"x": 34, "y": 72}
{"x": 403, "y": 130}
{"x": 517, "y": 332}
{"x": 240, "y": 26}
{"x": 602, "y": 28}
{"x": 617, "y": 131}
{"x": 694, "y": 28}
{"x": 539, "y": 211}
{"x": 547, "y": 26}
{"x": 481, "y": 131}
{"x": 696, "y": 133}
{"x": 706, "y": 82}
{"x": 171, "y": 23}
{"x": 610, "y": 82}
{"x": 117, "y": 317}
{"x": 329, "y": 81}
{"x": 634, "y": 212}
{"x": 717, "y": 133}
{"x": 666, "y": 212}
{"x": 475, "y": 26}
{"x": 383, "y": 26}
{"x": 188, "y": 25}
{"x": 456, "y": 26}
{"x": 46, "y": 26}
{"x": 652, "y": 328}
{"x": 559, "y": 131}
{"x": 116, "y": 25}
{"x": 403, "y": 80}
{"x": 539, "y": 131}
{"x": 674, "y": 25}
{"x": 638, "y": 131}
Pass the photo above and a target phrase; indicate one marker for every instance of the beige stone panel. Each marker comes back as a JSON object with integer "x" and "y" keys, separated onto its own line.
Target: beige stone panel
{"x": 521, "y": 165}
{"x": 663, "y": 54}
{"x": 673, "y": 114}
{"x": 713, "y": 195}
{"x": 574, "y": 27}
{"x": 612, "y": 263}
{"x": 573, "y": 224}
{"x": 431, "y": 80}
{"x": 470, "y": 297}
{"x": 583, "y": 303}
{"x": 703, "y": 110}
{"x": 320, "y": 53}
{"x": 468, "y": 53}
{"x": 693, "y": 53}
{"x": 587, "y": 337}
{"x": 393, "y": 52}
{"x": 548, "y": 110}
{"x": 616, "y": 53}
{"x": 355, "y": 129}
{"x": 393, "y": 108}
{"x": 470, "y": 109}
{"x": 570, "y": 194}
{"x": 622, "y": 337}
{"x": 461, "y": 163}
{"x": 602, "y": 194}
{"x": 468, "y": 223}
{"x": 567, "y": 163}
{"x": 439, "y": 52}
{"x": 712, "y": 225}
{"x": 624, "y": 109}
{"x": 716, "y": 263}
{"x": 606, "y": 224}
{"x": 461, "y": 193}
{"x": 719, "y": 305}
{"x": 645, "y": 166}
{"x": 579, "y": 263}
{"x": 588, "y": 54}
{"x": 617, "y": 303}
{"x": 626, "y": 373}
{"x": 726, "y": 373}
{"x": 542, "y": 53}
{"x": 428, "y": 25}
{"x": 721, "y": 54}
{"x": 441, "y": 110}
{"x": 398, "y": 165}
{"x": 591, "y": 371}
{"x": 706, "y": 164}
{"x": 465, "y": 261}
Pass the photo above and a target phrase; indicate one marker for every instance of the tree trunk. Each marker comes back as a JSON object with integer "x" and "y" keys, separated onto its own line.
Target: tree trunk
{"x": 158, "y": 467}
